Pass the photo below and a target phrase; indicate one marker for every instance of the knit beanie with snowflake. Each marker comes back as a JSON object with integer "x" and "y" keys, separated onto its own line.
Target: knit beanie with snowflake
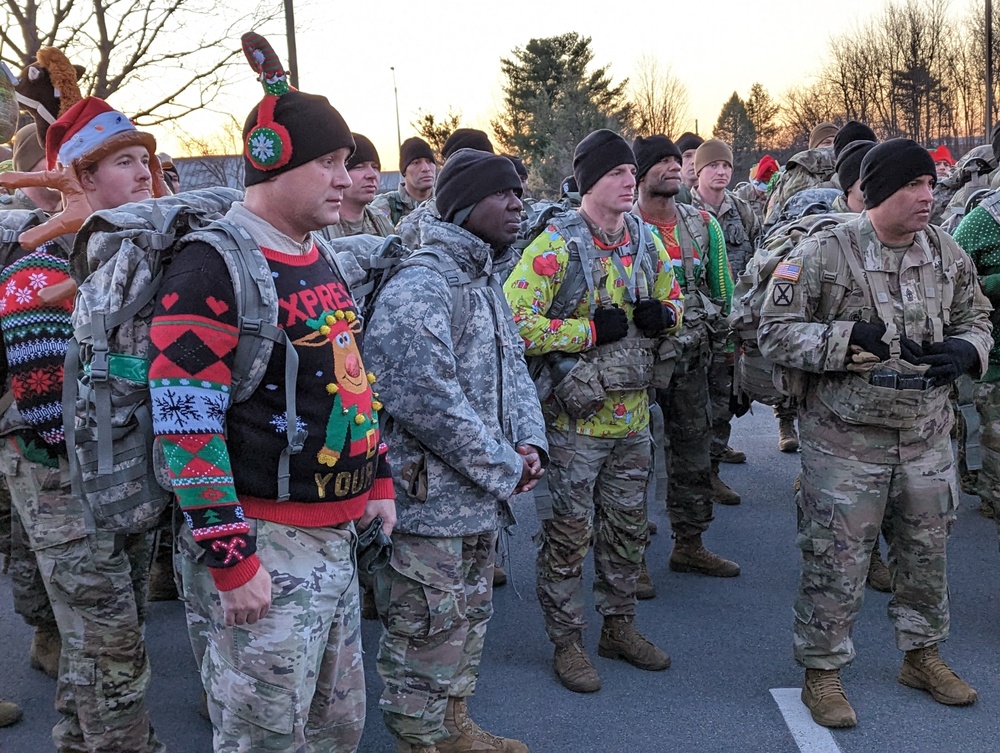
{"x": 287, "y": 128}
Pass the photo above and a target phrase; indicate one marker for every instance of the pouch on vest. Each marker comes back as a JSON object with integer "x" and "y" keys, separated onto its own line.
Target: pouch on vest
{"x": 580, "y": 393}
{"x": 664, "y": 364}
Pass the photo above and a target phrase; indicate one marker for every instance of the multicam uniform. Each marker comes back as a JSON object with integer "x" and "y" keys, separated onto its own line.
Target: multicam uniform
{"x": 599, "y": 465}
{"x": 702, "y": 271}
{"x": 460, "y": 400}
{"x": 372, "y": 222}
{"x": 979, "y": 235}
{"x": 741, "y": 229}
{"x": 871, "y": 455}
{"x": 394, "y": 204}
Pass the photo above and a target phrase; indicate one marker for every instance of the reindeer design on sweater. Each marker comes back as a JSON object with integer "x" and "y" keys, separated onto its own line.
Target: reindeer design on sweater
{"x": 354, "y": 416}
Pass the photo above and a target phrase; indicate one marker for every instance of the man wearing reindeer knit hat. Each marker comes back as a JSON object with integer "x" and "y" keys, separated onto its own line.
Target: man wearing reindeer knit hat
{"x": 96, "y": 581}
{"x": 270, "y": 483}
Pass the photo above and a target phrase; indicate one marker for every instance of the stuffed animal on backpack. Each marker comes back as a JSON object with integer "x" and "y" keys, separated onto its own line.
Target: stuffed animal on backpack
{"x": 48, "y": 87}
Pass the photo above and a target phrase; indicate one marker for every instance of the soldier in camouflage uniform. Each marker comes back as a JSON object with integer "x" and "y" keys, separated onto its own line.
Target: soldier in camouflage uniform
{"x": 30, "y": 598}
{"x": 466, "y": 434}
{"x": 417, "y": 169}
{"x": 694, "y": 241}
{"x": 96, "y": 582}
{"x": 595, "y": 320}
{"x": 979, "y": 236}
{"x": 688, "y": 143}
{"x": 356, "y": 213}
{"x": 879, "y": 353}
{"x": 754, "y": 192}
{"x": 811, "y": 168}
{"x": 741, "y": 229}
{"x": 269, "y": 568}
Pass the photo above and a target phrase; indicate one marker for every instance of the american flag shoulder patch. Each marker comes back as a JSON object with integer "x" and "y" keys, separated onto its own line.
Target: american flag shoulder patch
{"x": 788, "y": 271}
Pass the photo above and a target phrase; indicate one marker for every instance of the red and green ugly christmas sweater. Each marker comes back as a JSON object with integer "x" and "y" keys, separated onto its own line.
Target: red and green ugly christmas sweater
{"x": 222, "y": 457}
{"x": 35, "y": 335}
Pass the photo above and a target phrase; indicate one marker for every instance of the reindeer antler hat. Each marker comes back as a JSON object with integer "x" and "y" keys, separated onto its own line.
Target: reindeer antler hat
{"x": 287, "y": 128}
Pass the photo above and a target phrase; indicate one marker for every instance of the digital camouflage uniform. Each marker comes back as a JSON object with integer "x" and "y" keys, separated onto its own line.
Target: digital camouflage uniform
{"x": 372, "y": 222}
{"x": 394, "y": 204}
{"x": 979, "y": 235}
{"x": 702, "y": 271}
{"x": 460, "y": 400}
{"x": 599, "y": 466}
{"x": 813, "y": 168}
{"x": 741, "y": 230}
{"x": 858, "y": 473}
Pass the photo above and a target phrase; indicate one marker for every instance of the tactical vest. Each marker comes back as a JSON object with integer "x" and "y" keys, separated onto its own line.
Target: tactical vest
{"x": 858, "y": 399}
{"x": 580, "y": 381}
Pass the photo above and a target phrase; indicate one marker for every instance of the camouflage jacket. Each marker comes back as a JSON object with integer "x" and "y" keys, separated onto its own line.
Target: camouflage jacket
{"x": 459, "y": 401}
{"x": 17, "y": 200}
{"x": 409, "y": 227}
{"x": 807, "y": 319}
{"x": 371, "y": 223}
{"x": 809, "y": 169}
{"x": 740, "y": 227}
{"x": 394, "y": 204}
{"x": 756, "y": 200}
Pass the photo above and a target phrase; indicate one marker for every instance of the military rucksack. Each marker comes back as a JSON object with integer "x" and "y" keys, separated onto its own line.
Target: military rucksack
{"x": 754, "y": 376}
{"x": 122, "y": 253}
{"x": 813, "y": 168}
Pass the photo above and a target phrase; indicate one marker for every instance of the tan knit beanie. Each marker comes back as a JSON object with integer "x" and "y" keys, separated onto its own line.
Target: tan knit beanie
{"x": 821, "y": 133}
{"x": 27, "y": 150}
{"x": 711, "y": 151}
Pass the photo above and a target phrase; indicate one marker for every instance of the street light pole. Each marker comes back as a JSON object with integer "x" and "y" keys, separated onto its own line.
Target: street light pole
{"x": 293, "y": 60}
{"x": 989, "y": 67}
{"x": 395, "y": 93}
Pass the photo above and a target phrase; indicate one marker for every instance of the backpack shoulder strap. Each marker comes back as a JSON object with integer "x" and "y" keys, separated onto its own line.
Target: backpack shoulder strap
{"x": 458, "y": 281}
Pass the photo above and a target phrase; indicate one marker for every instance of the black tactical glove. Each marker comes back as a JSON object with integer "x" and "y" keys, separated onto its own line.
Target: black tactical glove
{"x": 911, "y": 352}
{"x": 868, "y": 337}
{"x": 610, "y": 324}
{"x": 949, "y": 360}
{"x": 652, "y": 317}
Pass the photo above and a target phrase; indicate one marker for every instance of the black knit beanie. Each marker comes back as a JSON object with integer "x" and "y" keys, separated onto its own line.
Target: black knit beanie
{"x": 518, "y": 164}
{"x": 598, "y": 154}
{"x": 313, "y": 126}
{"x": 651, "y": 150}
{"x": 364, "y": 151}
{"x": 689, "y": 141}
{"x": 891, "y": 165}
{"x": 568, "y": 186}
{"x": 468, "y": 177}
{"x": 852, "y": 130}
{"x": 467, "y": 138}
{"x": 413, "y": 148}
{"x": 849, "y": 162}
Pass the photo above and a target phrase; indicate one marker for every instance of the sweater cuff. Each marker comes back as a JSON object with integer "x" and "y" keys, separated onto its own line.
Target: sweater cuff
{"x": 230, "y": 578}
{"x": 383, "y": 488}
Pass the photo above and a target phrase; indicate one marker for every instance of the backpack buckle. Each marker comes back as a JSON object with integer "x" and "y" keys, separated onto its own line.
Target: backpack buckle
{"x": 250, "y": 326}
{"x": 99, "y": 367}
{"x": 298, "y": 442}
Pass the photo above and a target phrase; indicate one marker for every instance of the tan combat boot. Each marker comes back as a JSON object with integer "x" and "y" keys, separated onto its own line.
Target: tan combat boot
{"x": 620, "y": 640}
{"x": 691, "y": 556}
{"x": 573, "y": 667}
{"x": 10, "y": 713}
{"x": 467, "y": 736}
{"x": 644, "y": 588}
{"x": 924, "y": 669}
{"x": 721, "y": 492}
{"x": 788, "y": 438}
{"x": 878, "y": 573}
{"x": 729, "y": 455}
{"x": 826, "y": 700}
{"x": 404, "y": 747}
{"x": 499, "y": 577}
{"x": 46, "y": 645}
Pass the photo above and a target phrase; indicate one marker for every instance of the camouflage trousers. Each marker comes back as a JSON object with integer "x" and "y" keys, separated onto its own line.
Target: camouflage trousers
{"x": 435, "y": 599}
{"x": 293, "y": 682}
{"x": 789, "y": 410}
{"x": 97, "y": 586}
{"x": 842, "y": 505}
{"x": 688, "y": 437}
{"x": 30, "y": 599}
{"x": 598, "y": 489}
{"x": 720, "y": 385}
{"x": 987, "y": 396}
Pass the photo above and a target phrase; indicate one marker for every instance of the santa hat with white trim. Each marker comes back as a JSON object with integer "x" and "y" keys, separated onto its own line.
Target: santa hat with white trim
{"x": 90, "y": 130}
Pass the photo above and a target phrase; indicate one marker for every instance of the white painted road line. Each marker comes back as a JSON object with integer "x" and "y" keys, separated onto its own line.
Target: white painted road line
{"x": 809, "y": 736}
